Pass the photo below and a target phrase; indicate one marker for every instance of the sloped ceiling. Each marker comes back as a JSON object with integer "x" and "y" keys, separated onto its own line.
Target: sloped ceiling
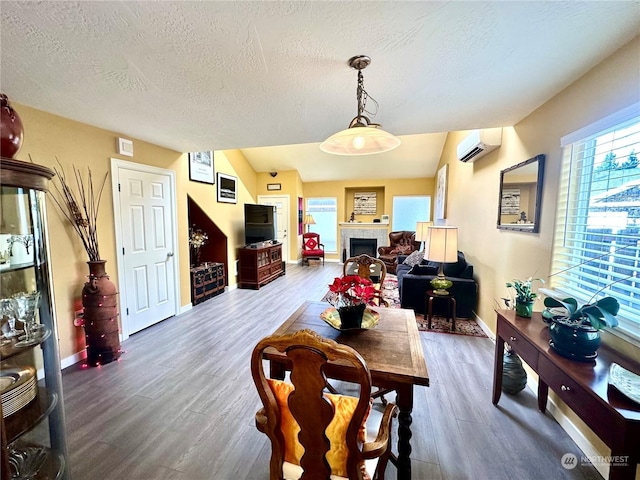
{"x": 219, "y": 75}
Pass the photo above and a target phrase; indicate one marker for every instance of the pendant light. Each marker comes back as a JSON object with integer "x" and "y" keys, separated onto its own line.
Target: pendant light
{"x": 361, "y": 137}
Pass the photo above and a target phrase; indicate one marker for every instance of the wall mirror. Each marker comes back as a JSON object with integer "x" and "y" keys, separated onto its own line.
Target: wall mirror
{"x": 521, "y": 195}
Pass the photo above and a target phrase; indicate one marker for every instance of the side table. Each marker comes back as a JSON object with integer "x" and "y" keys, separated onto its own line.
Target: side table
{"x": 451, "y": 308}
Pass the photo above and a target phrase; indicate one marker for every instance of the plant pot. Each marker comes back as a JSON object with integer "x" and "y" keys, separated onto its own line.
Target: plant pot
{"x": 524, "y": 309}
{"x": 574, "y": 342}
{"x": 351, "y": 317}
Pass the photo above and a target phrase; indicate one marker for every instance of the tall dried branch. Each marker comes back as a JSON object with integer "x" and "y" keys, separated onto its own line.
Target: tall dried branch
{"x": 80, "y": 205}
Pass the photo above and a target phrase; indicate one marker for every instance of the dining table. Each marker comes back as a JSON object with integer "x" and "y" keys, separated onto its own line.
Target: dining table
{"x": 392, "y": 351}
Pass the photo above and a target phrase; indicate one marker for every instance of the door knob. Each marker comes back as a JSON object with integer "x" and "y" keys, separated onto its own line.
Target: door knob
{"x": 170, "y": 254}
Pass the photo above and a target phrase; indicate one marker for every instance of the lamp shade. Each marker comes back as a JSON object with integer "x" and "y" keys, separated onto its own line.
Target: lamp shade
{"x": 442, "y": 244}
{"x": 308, "y": 219}
{"x": 360, "y": 141}
{"x": 422, "y": 231}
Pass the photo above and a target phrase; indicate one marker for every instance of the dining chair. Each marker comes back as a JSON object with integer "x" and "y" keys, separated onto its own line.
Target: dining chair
{"x": 375, "y": 270}
{"x": 370, "y": 268}
{"x": 312, "y": 432}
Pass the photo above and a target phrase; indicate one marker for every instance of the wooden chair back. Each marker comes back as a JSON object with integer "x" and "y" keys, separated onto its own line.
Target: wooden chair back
{"x": 309, "y": 354}
{"x": 370, "y": 268}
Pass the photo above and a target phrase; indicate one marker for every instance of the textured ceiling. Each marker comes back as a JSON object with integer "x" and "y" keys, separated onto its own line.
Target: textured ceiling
{"x": 218, "y": 75}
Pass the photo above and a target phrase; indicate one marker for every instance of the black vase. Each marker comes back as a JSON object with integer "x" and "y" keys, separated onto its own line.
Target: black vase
{"x": 351, "y": 317}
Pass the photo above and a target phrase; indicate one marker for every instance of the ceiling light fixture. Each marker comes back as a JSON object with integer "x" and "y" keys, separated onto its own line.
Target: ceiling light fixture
{"x": 361, "y": 137}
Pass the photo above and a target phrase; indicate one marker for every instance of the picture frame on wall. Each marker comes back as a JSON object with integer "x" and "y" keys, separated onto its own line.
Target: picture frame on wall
{"x": 201, "y": 167}
{"x": 227, "y": 188}
{"x": 441, "y": 194}
{"x": 274, "y": 186}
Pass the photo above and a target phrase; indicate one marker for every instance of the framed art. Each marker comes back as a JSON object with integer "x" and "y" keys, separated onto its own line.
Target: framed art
{"x": 274, "y": 186}
{"x": 441, "y": 193}
{"x": 227, "y": 188}
{"x": 364, "y": 203}
{"x": 201, "y": 167}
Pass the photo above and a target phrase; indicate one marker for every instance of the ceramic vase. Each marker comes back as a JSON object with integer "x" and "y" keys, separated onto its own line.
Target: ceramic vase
{"x": 514, "y": 376}
{"x": 524, "y": 309}
{"x": 351, "y": 317}
{"x": 99, "y": 299}
{"x": 11, "y": 131}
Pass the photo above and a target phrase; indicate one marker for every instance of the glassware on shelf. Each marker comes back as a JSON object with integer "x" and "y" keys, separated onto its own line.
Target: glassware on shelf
{"x": 6, "y": 310}
{"x": 25, "y": 306}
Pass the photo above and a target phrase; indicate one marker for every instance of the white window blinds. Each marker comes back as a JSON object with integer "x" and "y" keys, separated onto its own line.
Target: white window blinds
{"x": 597, "y": 239}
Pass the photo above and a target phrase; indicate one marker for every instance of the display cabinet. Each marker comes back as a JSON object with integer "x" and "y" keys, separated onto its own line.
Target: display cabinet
{"x": 259, "y": 265}
{"x": 31, "y": 407}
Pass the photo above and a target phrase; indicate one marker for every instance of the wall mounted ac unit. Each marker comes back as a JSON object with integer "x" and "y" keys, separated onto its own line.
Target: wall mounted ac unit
{"x": 478, "y": 143}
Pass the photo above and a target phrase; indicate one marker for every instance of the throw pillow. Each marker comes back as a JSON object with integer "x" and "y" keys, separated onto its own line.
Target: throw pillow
{"x": 455, "y": 269}
{"x": 336, "y": 431}
{"x": 414, "y": 258}
{"x": 424, "y": 270}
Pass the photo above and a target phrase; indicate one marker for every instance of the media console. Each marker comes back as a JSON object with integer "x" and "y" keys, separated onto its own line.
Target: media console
{"x": 259, "y": 265}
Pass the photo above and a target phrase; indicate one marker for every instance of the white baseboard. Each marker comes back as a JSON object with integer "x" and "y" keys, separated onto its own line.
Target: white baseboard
{"x": 68, "y": 361}
{"x": 186, "y": 308}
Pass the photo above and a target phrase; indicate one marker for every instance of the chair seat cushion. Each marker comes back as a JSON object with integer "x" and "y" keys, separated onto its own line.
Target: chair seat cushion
{"x": 336, "y": 431}
{"x": 318, "y": 252}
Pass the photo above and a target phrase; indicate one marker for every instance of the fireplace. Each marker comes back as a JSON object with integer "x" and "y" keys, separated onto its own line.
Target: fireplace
{"x": 358, "y": 246}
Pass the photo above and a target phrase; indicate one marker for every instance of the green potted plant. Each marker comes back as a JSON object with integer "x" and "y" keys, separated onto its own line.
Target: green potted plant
{"x": 575, "y": 330}
{"x": 525, "y": 296}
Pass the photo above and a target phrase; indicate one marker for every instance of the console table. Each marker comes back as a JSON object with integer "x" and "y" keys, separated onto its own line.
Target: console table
{"x": 259, "y": 265}
{"x": 582, "y": 386}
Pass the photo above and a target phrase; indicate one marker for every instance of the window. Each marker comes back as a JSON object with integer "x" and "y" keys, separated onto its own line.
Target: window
{"x": 325, "y": 214}
{"x": 407, "y": 211}
{"x": 597, "y": 238}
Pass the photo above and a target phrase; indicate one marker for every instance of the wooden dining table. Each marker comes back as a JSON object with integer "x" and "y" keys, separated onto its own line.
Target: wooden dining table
{"x": 392, "y": 351}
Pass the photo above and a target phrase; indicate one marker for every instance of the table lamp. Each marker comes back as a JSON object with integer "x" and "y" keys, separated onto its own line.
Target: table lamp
{"x": 441, "y": 246}
{"x": 422, "y": 232}
{"x": 308, "y": 220}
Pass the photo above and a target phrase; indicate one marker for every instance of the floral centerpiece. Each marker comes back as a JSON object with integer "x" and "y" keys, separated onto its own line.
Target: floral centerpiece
{"x": 350, "y": 295}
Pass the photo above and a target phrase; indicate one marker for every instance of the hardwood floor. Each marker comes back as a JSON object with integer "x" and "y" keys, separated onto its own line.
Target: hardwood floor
{"x": 180, "y": 403}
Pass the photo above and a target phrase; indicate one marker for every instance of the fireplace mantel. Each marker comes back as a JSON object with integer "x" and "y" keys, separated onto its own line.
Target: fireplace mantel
{"x": 348, "y": 230}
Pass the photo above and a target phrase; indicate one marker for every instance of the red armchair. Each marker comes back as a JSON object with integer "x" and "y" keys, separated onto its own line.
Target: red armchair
{"x": 401, "y": 243}
{"x": 311, "y": 247}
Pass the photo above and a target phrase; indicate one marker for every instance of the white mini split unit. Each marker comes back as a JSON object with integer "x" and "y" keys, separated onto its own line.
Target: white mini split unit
{"x": 478, "y": 143}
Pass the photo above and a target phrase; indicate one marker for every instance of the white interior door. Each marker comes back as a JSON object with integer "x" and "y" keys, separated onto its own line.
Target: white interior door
{"x": 281, "y": 202}
{"x": 146, "y": 246}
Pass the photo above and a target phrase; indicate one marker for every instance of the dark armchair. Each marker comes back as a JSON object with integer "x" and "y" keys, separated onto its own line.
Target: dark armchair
{"x": 413, "y": 283}
{"x": 400, "y": 243}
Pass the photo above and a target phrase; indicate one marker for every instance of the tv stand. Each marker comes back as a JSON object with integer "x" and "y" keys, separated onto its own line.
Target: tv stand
{"x": 259, "y": 265}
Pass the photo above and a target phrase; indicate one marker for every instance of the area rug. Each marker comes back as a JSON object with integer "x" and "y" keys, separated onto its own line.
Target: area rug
{"x": 438, "y": 324}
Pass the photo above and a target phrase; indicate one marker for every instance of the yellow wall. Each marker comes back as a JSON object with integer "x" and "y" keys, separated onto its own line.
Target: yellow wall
{"x": 291, "y": 185}
{"x": 391, "y": 188}
{"x": 48, "y": 137}
{"x": 499, "y": 256}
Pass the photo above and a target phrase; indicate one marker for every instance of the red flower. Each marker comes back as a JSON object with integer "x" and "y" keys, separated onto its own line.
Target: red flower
{"x": 352, "y": 290}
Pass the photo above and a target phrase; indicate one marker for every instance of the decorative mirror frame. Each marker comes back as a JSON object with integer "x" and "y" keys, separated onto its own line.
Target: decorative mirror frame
{"x": 538, "y": 201}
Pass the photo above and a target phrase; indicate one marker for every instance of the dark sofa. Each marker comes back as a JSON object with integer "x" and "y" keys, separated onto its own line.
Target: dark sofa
{"x": 413, "y": 283}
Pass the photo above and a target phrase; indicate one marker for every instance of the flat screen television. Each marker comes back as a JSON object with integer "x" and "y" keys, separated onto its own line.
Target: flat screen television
{"x": 259, "y": 223}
